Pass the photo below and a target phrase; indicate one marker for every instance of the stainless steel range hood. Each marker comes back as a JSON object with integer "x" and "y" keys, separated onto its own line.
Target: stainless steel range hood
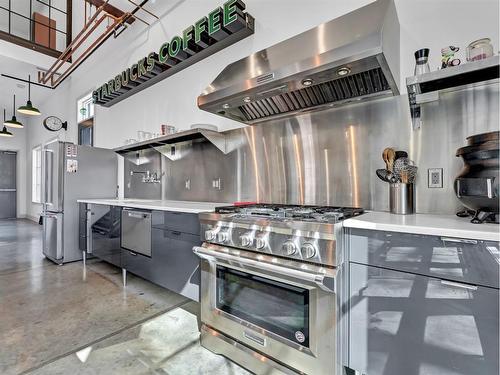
{"x": 351, "y": 58}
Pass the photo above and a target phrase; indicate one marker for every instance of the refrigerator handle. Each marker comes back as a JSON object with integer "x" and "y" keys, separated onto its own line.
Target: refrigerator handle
{"x": 47, "y": 177}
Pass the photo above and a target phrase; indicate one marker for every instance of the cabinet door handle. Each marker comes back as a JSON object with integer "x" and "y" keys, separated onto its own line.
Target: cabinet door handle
{"x": 458, "y": 285}
{"x": 459, "y": 240}
{"x": 132, "y": 253}
{"x": 176, "y": 233}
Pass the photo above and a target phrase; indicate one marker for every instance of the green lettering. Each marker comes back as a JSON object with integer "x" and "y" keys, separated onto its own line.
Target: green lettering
{"x": 118, "y": 82}
{"x": 111, "y": 86}
{"x": 140, "y": 67}
{"x": 175, "y": 46}
{"x": 125, "y": 75}
{"x": 230, "y": 12}
{"x": 95, "y": 95}
{"x": 187, "y": 35}
{"x": 104, "y": 90}
{"x": 200, "y": 27}
{"x": 133, "y": 76}
{"x": 163, "y": 53}
{"x": 214, "y": 21}
{"x": 150, "y": 62}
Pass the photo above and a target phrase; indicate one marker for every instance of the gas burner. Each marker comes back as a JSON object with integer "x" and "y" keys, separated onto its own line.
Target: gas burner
{"x": 322, "y": 214}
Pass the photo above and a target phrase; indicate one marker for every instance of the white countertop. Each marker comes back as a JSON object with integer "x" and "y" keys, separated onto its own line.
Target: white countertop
{"x": 435, "y": 225}
{"x": 160, "y": 205}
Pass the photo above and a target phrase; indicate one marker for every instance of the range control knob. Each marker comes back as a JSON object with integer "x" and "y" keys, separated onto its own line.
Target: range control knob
{"x": 308, "y": 250}
{"x": 210, "y": 235}
{"x": 260, "y": 242}
{"x": 222, "y": 236}
{"x": 246, "y": 240}
{"x": 289, "y": 248}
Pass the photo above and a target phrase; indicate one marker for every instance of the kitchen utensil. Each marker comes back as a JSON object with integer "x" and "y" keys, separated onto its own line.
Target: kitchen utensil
{"x": 402, "y": 198}
{"x": 167, "y": 129}
{"x": 422, "y": 61}
{"x": 479, "y": 49}
{"x": 385, "y": 175}
{"x": 448, "y": 56}
{"x": 389, "y": 155}
{"x": 401, "y": 154}
{"x": 401, "y": 164}
{"x": 477, "y": 185}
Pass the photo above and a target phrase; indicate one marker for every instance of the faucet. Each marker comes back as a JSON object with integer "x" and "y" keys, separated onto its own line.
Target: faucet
{"x": 148, "y": 177}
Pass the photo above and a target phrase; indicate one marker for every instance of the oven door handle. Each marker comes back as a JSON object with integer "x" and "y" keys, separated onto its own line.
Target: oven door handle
{"x": 323, "y": 281}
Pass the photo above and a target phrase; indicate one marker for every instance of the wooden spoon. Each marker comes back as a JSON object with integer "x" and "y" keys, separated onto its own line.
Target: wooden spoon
{"x": 389, "y": 155}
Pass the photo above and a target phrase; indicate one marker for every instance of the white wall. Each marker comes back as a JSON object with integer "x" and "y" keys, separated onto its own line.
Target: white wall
{"x": 18, "y": 144}
{"x": 424, "y": 23}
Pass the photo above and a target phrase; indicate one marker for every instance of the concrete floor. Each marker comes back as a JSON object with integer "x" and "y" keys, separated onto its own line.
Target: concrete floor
{"x": 75, "y": 320}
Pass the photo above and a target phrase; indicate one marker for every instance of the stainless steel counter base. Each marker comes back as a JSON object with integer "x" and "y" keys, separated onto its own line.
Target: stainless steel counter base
{"x": 220, "y": 344}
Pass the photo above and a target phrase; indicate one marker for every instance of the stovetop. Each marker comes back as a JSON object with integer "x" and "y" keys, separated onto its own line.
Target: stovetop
{"x": 319, "y": 214}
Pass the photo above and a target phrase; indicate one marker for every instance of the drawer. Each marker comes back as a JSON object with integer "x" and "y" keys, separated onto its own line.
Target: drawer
{"x": 463, "y": 260}
{"x": 401, "y": 323}
{"x": 137, "y": 264}
{"x": 136, "y": 231}
{"x": 177, "y": 221}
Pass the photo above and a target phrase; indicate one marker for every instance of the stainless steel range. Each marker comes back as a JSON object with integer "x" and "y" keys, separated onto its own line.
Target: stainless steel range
{"x": 269, "y": 280}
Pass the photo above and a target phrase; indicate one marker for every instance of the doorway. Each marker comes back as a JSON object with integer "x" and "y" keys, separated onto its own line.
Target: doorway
{"x": 8, "y": 190}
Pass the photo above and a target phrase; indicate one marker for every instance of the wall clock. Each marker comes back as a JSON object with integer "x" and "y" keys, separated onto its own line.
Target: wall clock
{"x": 54, "y": 124}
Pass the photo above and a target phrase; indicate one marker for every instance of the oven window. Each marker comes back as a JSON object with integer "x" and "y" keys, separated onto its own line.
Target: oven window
{"x": 274, "y": 306}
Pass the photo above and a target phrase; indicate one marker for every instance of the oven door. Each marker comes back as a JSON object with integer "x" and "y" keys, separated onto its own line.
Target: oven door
{"x": 282, "y": 308}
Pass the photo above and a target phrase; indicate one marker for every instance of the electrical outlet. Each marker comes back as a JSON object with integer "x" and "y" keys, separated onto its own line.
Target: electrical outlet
{"x": 435, "y": 177}
{"x": 217, "y": 184}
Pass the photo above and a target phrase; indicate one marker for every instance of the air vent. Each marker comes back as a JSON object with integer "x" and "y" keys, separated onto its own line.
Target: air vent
{"x": 265, "y": 78}
{"x": 341, "y": 89}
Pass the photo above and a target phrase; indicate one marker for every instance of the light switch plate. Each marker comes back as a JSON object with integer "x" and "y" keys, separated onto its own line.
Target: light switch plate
{"x": 435, "y": 178}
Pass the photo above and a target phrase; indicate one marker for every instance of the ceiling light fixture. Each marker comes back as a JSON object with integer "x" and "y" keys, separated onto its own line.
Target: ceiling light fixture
{"x": 13, "y": 123}
{"x": 307, "y": 82}
{"x": 343, "y": 71}
{"x": 28, "y": 109}
{"x": 4, "y": 132}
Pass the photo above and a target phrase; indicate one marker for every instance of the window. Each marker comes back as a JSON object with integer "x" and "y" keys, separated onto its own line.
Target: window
{"x": 36, "y": 174}
{"x": 40, "y": 25}
{"x": 85, "y": 117}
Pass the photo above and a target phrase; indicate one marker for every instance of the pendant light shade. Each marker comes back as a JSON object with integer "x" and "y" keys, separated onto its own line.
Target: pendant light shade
{"x": 12, "y": 123}
{"x": 4, "y": 132}
{"x": 28, "y": 109}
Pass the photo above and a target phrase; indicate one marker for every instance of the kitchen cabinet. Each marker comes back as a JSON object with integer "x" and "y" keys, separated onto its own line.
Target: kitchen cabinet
{"x": 422, "y": 305}
{"x": 175, "y": 265}
{"x": 82, "y": 227}
{"x": 105, "y": 231}
{"x": 172, "y": 263}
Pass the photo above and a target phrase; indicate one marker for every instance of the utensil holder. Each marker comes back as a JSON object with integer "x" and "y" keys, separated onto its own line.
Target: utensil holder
{"x": 402, "y": 198}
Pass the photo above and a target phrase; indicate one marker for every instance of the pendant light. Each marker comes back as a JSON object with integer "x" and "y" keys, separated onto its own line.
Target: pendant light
{"x": 13, "y": 123}
{"x": 28, "y": 109}
{"x": 4, "y": 132}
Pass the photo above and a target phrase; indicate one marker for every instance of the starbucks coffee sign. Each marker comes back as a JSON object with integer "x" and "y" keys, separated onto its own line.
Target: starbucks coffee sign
{"x": 222, "y": 27}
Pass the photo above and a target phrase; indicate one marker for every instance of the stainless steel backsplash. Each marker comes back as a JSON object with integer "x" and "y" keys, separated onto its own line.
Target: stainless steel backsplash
{"x": 327, "y": 157}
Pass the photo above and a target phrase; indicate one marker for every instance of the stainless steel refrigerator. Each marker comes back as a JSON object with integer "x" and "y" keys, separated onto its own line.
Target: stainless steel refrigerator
{"x": 71, "y": 172}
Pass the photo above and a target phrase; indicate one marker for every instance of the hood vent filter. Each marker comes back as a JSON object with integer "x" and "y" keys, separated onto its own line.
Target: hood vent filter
{"x": 344, "y": 89}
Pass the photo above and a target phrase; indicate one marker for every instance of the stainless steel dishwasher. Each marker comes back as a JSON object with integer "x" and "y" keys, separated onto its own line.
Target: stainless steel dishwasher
{"x": 136, "y": 231}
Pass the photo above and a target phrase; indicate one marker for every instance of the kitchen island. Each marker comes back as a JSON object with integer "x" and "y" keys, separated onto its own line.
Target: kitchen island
{"x": 152, "y": 239}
